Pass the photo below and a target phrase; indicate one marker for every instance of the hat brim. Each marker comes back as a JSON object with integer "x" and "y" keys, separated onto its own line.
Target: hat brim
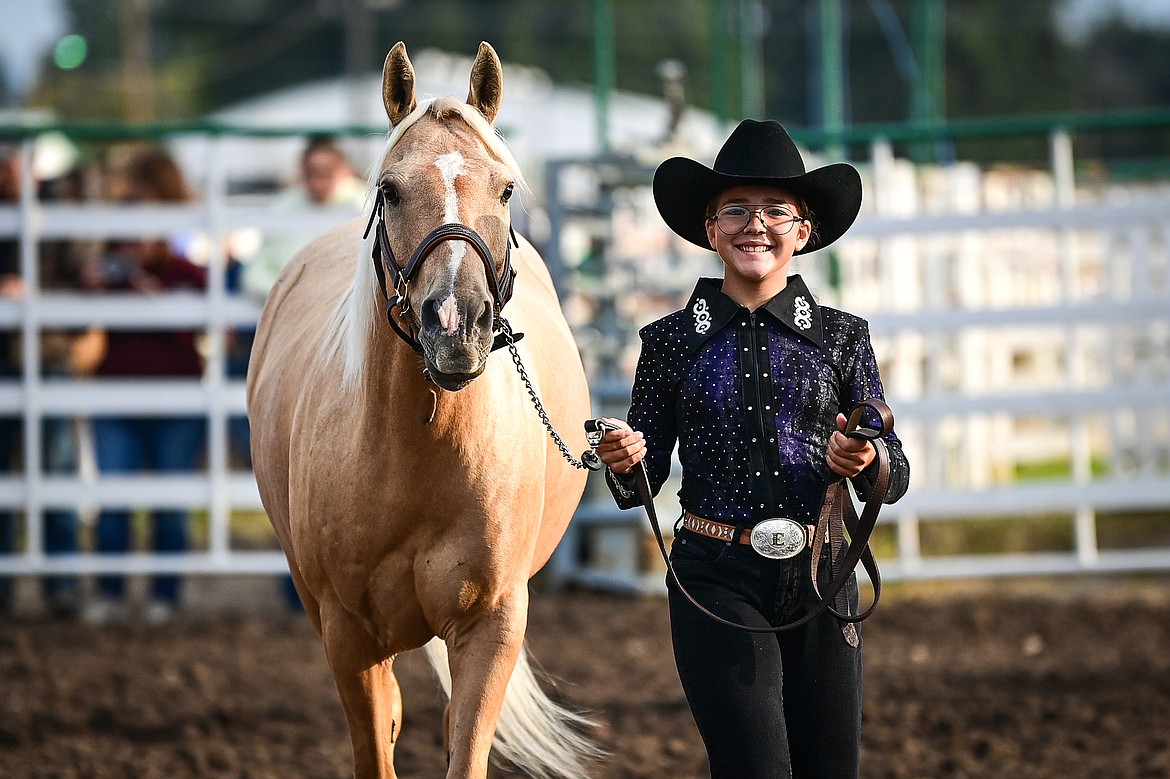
{"x": 683, "y": 188}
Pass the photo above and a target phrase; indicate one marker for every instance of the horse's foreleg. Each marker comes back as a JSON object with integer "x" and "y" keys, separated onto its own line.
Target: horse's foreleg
{"x": 369, "y": 693}
{"x": 482, "y": 657}
{"x": 308, "y": 602}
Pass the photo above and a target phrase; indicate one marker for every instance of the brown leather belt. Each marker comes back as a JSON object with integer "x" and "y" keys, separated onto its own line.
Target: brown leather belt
{"x": 724, "y": 532}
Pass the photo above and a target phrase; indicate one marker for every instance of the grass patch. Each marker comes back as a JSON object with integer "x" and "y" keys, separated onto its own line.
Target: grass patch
{"x": 1006, "y": 535}
{"x": 248, "y": 530}
{"x": 1133, "y": 530}
{"x": 1028, "y": 534}
{"x": 1057, "y": 470}
{"x": 884, "y": 541}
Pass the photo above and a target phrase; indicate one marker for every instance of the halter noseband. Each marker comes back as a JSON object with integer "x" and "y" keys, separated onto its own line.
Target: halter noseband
{"x": 501, "y": 284}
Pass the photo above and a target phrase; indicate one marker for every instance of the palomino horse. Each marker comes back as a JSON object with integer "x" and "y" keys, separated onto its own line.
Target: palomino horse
{"x": 410, "y": 480}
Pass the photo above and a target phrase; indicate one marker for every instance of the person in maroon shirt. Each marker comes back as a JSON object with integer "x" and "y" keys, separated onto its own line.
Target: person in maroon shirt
{"x": 129, "y": 444}
{"x": 157, "y": 268}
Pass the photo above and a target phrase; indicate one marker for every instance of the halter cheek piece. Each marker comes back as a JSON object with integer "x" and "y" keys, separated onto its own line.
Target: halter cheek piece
{"x": 501, "y": 284}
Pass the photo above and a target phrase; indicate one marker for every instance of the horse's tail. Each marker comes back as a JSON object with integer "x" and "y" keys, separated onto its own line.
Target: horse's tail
{"x": 534, "y": 733}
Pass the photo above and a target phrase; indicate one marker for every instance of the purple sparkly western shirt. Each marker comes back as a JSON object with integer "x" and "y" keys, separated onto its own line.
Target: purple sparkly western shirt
{"x": 751, "y": 400}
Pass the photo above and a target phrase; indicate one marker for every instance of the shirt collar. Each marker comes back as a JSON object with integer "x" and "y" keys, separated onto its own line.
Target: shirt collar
{"x": 795, "y": 307}
{"x": 710, "y": 310}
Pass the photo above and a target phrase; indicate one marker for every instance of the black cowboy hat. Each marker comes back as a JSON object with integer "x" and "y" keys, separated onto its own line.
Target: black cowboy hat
{"x": 757, "y": 152}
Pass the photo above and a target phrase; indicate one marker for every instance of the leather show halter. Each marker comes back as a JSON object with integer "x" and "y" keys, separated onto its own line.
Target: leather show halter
{"x": 501, "y": 283}
{"x": 837, "y": 514}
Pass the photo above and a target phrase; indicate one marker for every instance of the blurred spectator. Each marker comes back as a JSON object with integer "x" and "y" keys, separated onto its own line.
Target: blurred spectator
{"x": 128, "y": 444}
{"x": 327, "y": 179}
{"x": 62, "y": 353}
{"x": 11, "y": 287}
{"x": 237, "y": 351}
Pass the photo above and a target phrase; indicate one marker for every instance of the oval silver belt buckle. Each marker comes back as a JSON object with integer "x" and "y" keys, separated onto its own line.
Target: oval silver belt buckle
{"x": 779, "y": 539}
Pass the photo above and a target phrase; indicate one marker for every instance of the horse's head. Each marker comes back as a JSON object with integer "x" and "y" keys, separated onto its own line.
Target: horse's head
{"x": 443, "y": 188}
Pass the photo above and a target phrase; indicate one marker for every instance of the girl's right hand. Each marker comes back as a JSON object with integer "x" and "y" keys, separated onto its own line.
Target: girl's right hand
{"x": 621, "y": 449}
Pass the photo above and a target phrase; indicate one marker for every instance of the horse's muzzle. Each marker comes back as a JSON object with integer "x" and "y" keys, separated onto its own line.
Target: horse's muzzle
{"x": 453, "y": 362}
{"x": 452, "y": 382}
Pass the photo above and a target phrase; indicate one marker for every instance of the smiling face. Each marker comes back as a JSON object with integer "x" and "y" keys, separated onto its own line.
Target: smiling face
{"x": 756, "y": 261}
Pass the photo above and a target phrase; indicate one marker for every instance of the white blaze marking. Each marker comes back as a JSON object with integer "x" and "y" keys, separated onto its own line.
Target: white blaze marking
{"x": 449, "y": 315}
{"x": 450, "y": 167}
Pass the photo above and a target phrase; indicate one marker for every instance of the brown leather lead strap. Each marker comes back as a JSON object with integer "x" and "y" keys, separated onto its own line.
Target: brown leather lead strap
{"x": 836, "y": 500}
{"x": 860, "y": 528}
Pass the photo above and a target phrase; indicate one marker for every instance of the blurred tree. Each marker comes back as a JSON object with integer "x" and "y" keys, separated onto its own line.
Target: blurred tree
{"x": 1005, "y": 57}
{"x": 4, "y": 84}
{"x": 1131, "y": 68}
{"x": 201, "y": 55}
{"x": 1001, "y": 56}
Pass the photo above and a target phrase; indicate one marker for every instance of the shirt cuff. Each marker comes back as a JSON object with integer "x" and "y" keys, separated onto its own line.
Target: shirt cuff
{"x": 624, "y": 484}
{"x": 864, "y": 481}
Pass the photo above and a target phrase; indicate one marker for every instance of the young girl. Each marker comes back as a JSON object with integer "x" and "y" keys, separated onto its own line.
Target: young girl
{"x": 752, "y": 380}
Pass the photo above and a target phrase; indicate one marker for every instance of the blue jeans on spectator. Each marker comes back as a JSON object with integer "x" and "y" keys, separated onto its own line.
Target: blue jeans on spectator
{"x": 10, "y": 430}
{"x": 128, "y": 445}
{"x": 239, "y": 350}
{"x": 60, "y": 525}
{"x": 236, "y": 367}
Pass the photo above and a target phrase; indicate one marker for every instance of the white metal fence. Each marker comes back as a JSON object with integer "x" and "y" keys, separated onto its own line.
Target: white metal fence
{"x": 217, "y": 489}
{"x": 1008, "y": 334}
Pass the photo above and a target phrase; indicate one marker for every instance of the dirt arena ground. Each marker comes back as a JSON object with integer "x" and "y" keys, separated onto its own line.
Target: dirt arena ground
{"x": 1067, "y": 678}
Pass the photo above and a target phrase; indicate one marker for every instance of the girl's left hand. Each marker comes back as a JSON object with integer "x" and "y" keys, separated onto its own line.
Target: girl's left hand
{"x": 621, "y": 449}
{"x": 848, "y": 456}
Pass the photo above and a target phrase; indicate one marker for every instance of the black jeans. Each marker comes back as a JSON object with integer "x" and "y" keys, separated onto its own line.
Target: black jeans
{"x": 768, "y": 705}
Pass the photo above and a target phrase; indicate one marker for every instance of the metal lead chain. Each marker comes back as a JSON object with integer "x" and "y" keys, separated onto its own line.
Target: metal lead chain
{"x": 506, "y": 329}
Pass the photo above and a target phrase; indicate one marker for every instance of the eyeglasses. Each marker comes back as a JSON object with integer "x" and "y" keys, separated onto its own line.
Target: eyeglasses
{"x": 731, "y": 220}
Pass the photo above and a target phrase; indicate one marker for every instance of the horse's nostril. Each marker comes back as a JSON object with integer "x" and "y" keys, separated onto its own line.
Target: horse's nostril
{"x": 430, "y": 314}
{"x": 450, "y": 316}
{"x": 486, "y": 316}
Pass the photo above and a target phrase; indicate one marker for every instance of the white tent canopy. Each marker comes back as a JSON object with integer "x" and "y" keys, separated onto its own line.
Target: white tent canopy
{"x": 540, "y": 120}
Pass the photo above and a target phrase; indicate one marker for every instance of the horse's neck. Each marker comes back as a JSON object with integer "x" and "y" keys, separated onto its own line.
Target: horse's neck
{"x": 394, "y": 383}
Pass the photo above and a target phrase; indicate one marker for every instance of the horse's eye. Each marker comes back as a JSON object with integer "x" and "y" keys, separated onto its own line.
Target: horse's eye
{"x": 504, "y": 198}
{"x": 390, "y": 194}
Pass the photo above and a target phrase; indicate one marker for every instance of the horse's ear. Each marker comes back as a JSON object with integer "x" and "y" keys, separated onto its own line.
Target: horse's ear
{"x": 487, "y": 82}
{"x": 398, "y": 84}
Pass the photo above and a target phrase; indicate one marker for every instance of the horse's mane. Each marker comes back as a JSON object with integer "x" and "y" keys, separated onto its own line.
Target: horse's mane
{"x": 350, "y": 327}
